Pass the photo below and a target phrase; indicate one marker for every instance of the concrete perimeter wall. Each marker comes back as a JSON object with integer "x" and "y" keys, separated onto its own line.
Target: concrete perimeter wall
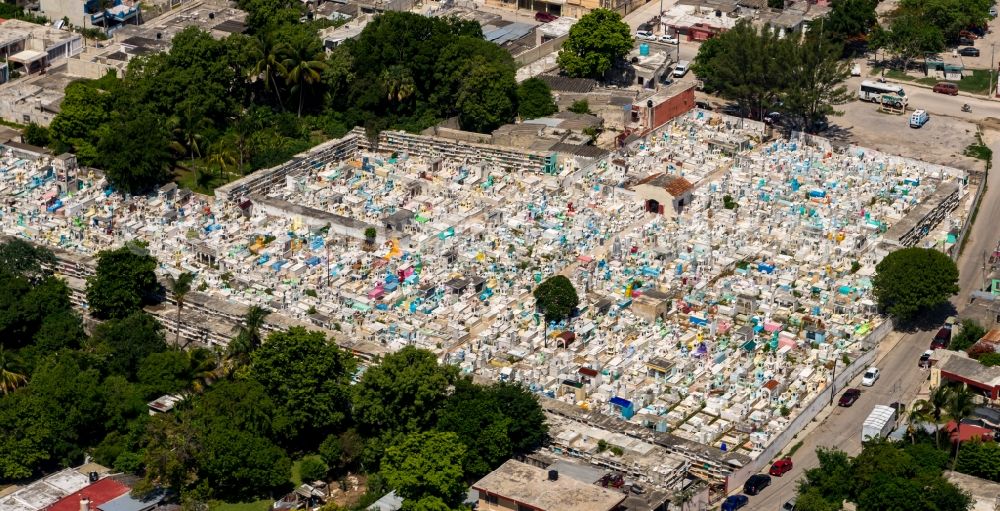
{"x": 821, "y": 401}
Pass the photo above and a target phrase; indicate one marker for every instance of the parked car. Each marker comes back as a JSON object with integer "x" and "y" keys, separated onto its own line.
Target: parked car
{"x": 780, "y": 467}
{"x": 545, "y": 17}
{"x": 735, "y": 502}
{"x": 946, "y": 88}
{"x": 870, "y": 377}
{"x": 645, "y": 34}
{"x": 993, "y": 11}
{"x": 969, "y": 51}
{"x": 703, "y": 105}
{"x": 925, "y": 359}
{"x": 789, "y": 506}
{"x": 965, "y": 41}
{"x": 856, "y": 70}
{"x": 772, "y": 118}
{"x": 967, "y": 34}
{"x": 667, "y": 38}
{"x": 941, "y": 339}
{"x": 756, "y": 483}
{"x": 849, "y": 397}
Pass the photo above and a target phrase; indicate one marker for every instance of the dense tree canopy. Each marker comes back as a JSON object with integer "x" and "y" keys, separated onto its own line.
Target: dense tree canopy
{"x": 123, "y": 283}
{"x": 534, "y": 99}
{"x": 880, "y": 478}
{"x": 556, "y": 298}
{"x": 911, "y": 280}
{"x": 595, "y": 43}
{"x": 800, "y": 76}
{"x": 427, "y": 464}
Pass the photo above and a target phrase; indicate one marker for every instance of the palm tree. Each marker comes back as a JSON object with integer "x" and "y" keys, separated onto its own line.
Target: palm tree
{"x": 201, "y": 369}
{"x": 398, "y": 83}
{"x": 268, "y": 66}
{"x": 10, "y": 380}
{"x": 302, "y": 68}
{"x": 223, "y": 157}
{"x": 921, "y": 412}
{"x": 188, "y": 128}
{"x": 959, "y": 407}
{"x": 248, "y": 339}
{"x": 939, "y": 399}
{"x": 179, "y": 288}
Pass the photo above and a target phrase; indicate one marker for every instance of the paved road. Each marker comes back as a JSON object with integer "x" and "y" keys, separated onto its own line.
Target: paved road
{"x": 901, "y": 378}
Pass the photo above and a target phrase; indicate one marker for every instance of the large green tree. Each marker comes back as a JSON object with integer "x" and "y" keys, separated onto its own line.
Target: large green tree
{"x": 135, "y": 151}
{"x": 912, "y": 280}
{"x": 24, "y": 259}
{"x": 426, "y": 464}
{"x": 123, "y": 283}
{"x": 556, "y": 298}
{"x": 908, "y": 35}
{"x": 534, "y": 99}
{"x": 403, "y": 393}
{"x": 816, "y": 80}
{"x": 125, "y": 343}
{"x": 309, "y": 378}
{"x": 487, "y": 98}
{"x": 595, "y": 43}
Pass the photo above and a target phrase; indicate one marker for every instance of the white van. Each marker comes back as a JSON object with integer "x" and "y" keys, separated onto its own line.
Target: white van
{"x": 919, "y": 118}
{"x": 681, "y": 69}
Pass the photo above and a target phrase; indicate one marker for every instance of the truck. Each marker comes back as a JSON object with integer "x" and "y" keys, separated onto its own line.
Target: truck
{"x": 879, "y": 423}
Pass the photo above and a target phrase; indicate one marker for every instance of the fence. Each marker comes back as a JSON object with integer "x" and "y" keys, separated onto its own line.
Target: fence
{"x": 821, "y": 401}
{"x": 538, "y": 52}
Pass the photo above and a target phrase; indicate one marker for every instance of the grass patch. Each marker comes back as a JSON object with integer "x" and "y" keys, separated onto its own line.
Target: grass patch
{"x": 257, "y": 505}
{"x": 980, "y": 150}
{"x": 794, "y": 448}
{"x": 976, "y": 83}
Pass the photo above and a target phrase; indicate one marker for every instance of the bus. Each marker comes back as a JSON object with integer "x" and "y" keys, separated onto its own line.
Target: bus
{"x": 873, "y": 91}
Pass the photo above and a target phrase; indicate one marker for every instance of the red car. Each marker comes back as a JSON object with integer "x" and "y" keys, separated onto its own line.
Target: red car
{"x": 849, "y": 397}
{"x": 781, "y": 466}
{"x": 545, "y": 17}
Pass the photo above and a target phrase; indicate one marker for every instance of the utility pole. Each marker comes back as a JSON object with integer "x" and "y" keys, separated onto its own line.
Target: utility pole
{"x": 833, "y": 381}
{"x": 993, "y": 47}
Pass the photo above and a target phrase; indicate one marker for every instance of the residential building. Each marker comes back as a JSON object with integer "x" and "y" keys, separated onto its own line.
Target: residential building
{"x": 519, "y": 486}
{"x": 30, "y": 48}
{"x": 92, "y": 13}
{"x": 956, "y": 366}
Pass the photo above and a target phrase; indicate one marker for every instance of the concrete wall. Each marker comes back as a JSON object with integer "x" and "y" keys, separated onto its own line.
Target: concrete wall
{"x": 457, "y": 134}
{"x": 536, "y": 53}
{"x": 91, "y": 70}
{"x": 811, "y": 410}
{"x": 72, "y": 9}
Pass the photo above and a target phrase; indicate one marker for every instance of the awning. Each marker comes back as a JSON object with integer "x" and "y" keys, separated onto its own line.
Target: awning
{"x": 27, "y": 56}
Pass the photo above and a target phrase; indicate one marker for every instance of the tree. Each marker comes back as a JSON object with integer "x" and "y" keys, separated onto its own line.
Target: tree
{"x": 959, "y": 407}
{"x": 222, "y": 156}
{"x": 125, "y": 342}
{"x": 849, "y": 23}
{"x": 237, "y": 464}
{"x": 248, "y": 339}
{"x": 908, "y": 35}
{"x": 179, "y": 287}
{"x": 938, "y": 401}
{"x": 580, "y": 106}
{"x": 268, "y": 65}
{"x": 123, "y": 283}
{"x": 426, "y": 464}
{"x": 188, "y": 129}
{"x": 922, "y": 411}
{"x": 980, "y": 459}
{"x": 10, "y": 379}
{"x": 487, "y": 98}
{"x": 534, "y": 99}
{"x": 740, "y": 65}
{"x": 969, "y": 332}
{"x": 556, "y": 298}
{"x": 596, "y": 42}
{"x": 21, "y": 258}
{"x": 36, "y": 135}
{"x": 912, "y": 280}
{"x": 163, "y": 372}
{"x": 303, "y": 66}
{"x": 134, "y": 149}
{"x": 816, "y": 80}
{"x": 342, "y": 451}
{"x": 312, "y": 468}
{"x": 309, "y": 379}
{"x": 403, "y": 393}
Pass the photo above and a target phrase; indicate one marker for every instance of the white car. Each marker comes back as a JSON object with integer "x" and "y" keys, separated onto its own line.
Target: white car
{"x": 871, "y": 375}
{"x": 669, "y": 39}
{"x": 993, "y": 11}
{"x": 645, "y": 34}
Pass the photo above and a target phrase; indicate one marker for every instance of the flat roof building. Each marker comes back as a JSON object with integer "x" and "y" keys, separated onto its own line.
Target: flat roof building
{"x": 517, "y": 485}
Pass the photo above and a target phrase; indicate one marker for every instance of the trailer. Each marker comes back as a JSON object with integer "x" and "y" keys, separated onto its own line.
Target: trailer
{"x": 879, "y": 423}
